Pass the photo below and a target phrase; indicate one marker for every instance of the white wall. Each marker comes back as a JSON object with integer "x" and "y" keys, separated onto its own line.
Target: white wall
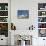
{"x": 23, "y": 24}
{"x": 32, "y": 6}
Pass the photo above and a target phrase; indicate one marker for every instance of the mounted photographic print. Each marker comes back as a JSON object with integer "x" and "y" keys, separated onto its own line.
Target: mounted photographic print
{"x": 42, "y": 33}
{"x": 23, "y": 14}
{"x": 41, "y": 19}
{"x": 4, "y": 29}
{"x": 3, "y": 19}
{"x": 41, "y": 25}
{"x": 41, "y": 6}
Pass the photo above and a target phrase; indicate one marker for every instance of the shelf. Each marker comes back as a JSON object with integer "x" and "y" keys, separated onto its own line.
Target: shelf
{"x": 4, "y": 19}
{"x": 3, "y": 16}
{"x": 3, "y": 22}
{"x": 41, "y": 28}
{"x": 3, "y": 10}
{"x": 41, "y": 10}
{"x": 42, "y": 16}
{"x": 42, "y": 19}
{"x": 41, "y": 22}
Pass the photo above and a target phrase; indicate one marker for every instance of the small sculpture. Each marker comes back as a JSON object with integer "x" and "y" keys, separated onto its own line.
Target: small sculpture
{"x": 31, "y": 27}
{"x": 13, "y": 27}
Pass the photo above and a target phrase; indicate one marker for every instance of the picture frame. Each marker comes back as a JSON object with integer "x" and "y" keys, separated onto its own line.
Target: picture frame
{"x": 22, "y": 14}
{"x": 42, "y": 32}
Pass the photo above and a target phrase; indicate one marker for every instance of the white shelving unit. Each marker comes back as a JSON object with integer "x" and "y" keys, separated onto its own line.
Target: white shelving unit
{"x": 4, "y": 19}
{"x": 4, "y": 22}
{"x": 42, "y": 18}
